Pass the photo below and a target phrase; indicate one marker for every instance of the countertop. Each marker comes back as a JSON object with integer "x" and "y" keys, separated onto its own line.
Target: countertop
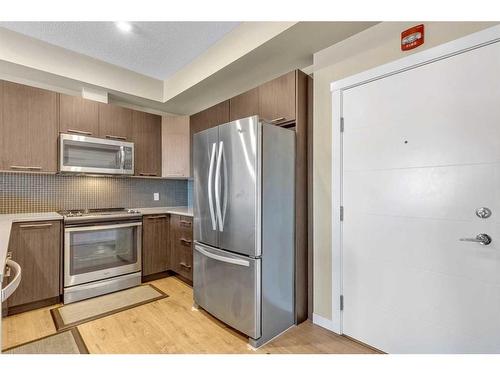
{"x": 6, "y": 224}
{"x": 6, "y": 221}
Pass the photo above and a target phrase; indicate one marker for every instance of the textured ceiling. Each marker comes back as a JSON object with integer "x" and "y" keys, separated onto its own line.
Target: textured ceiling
{"x": 155, "y": 49}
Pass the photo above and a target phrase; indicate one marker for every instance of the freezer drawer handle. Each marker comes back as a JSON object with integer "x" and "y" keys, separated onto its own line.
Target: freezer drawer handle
{"x": 239, "y": 262}
{"x": 210, "y": 202}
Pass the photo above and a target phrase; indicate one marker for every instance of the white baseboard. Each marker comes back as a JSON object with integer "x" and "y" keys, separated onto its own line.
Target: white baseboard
{"x": 323, "y": 322}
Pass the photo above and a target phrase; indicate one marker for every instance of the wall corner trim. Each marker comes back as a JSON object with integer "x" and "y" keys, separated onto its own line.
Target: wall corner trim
{"x": 324, "y": 322}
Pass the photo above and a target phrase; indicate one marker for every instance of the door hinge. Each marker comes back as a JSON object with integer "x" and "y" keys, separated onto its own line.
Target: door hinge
{"x": 341, "y": 124}
{"x": 341, "y": 213}
{"x": 341, "y": 302}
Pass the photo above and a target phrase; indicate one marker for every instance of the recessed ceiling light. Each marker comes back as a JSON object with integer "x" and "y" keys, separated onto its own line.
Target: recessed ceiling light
{"x": 124, "y": 26}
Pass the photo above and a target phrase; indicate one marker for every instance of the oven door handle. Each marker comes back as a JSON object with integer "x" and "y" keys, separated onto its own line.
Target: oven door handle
{"x": 85, "y": 227}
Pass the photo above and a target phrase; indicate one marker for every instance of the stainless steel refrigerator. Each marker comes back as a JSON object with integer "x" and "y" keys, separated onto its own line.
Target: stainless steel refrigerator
{"x": 244, "y": 214}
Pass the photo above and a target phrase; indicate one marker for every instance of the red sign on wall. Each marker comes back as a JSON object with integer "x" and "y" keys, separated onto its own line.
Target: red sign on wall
{"x": 412, "y": 38}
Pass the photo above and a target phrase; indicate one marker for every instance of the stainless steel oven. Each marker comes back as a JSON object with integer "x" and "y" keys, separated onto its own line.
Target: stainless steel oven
{"x": 82, "y": 154}
{"x": 101, "y": 256}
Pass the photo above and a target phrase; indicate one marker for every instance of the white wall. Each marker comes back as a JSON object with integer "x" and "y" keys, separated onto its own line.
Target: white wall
{"x": 375, "y": 46}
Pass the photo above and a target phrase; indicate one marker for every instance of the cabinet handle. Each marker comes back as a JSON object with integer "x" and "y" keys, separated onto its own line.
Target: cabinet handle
{"x": 26, "y": 168}
{"x": 157, "y": 217}
{"x": 279, "y": 119}
{"x": 116, "y": 137}
{"x": 188, "y": 242}
{"x": 147, "y": 174}
{"x": 27, "y": 226}
{"x": 182, "y": 264}
{"x": 79, "y": 132}
{"x": 185, "y": 222}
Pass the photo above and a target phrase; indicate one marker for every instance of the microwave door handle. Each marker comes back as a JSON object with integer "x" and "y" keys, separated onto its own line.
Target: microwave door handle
{"x": 217, "y": 186}
{"x": 122, "y": 157}
{"x": 209, "y": 187}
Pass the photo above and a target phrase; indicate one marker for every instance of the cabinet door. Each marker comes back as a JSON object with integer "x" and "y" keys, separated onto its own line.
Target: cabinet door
{"x": 181, "y": 245}
{"x": 210, "y": 117}
{"x": 277, "y": 99}
{"x": 147, "y": 139}
{"x": 115, "y": 122}
{"x": 155, "y": 244}
{"x": 36, "y": 246}
{"x": 244, "y": 105}
{"x": 28, "y": 136}
{"x": 175, "y": 146}
{"x": 78, "y": 115}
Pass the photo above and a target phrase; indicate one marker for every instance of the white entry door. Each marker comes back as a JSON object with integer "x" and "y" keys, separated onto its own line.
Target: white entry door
{"x": 421, "y": 152}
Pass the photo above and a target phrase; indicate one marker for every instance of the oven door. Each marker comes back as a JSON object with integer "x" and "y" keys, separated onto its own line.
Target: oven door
{"x": 101, "y": 251}
{"x": 95, "y": 155}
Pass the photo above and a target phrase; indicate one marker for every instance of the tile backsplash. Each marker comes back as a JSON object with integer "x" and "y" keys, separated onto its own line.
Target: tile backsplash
{"x": 25, "y": 192}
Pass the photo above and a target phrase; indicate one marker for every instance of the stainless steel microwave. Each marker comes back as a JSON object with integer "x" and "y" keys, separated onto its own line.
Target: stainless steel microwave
{"x": 82, "y": 154}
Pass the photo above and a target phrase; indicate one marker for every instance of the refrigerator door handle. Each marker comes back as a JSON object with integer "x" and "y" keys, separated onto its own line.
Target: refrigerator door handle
{"x": 217, "y": 186}
{"x": 224, "y": 204}
{"x": 210, "y": 199}
{"x": 239, "y": 262}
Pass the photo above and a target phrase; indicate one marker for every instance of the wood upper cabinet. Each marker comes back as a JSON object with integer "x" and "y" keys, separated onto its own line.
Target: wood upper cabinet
{"x": 175, "y": 146}
{"x": 155, "y": 244}
{"x": 78, "y": 115}
{"x": 115, "y": 122}
{"x": 28, "y": 135}
{"x": 277, "y": 99}
{"x": 181, "y": 245}
{"x": 36, "y": 247}
{"x": 146, "y": 135}
{"x": 244, "y": 105}
{"x": 210, "y": 117}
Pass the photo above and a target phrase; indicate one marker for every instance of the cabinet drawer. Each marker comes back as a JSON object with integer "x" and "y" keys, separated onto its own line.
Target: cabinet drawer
{"x": 181, "y": 242}
{"x": 183, "y": 226}
{"x": 184, "y": 261}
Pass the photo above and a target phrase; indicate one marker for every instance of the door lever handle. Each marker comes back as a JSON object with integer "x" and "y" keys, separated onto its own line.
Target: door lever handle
{"x": 481, "y": 238}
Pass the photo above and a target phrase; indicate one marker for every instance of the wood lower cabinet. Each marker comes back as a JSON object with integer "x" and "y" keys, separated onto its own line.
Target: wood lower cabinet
{"x": 28, "y": 135}
{"x": 115, "y": 122}
{"x": 155, "y": 244}
{"x": 277, "y": 99}
{"x": 78, "y": 115}
{"x": 146, "y": 135}
{"x": 36, "y": 246}
{"x": 181, "y": 245}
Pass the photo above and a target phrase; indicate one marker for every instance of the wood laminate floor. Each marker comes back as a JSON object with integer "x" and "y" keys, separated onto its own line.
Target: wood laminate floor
{"x": 171, "y": 325}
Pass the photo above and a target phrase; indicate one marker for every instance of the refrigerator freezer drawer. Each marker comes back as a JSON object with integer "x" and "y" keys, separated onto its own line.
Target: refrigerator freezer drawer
{"x": 228, "y": 286}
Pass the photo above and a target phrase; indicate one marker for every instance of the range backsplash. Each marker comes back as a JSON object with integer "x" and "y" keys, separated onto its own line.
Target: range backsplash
{"x": 26, "y": 192}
